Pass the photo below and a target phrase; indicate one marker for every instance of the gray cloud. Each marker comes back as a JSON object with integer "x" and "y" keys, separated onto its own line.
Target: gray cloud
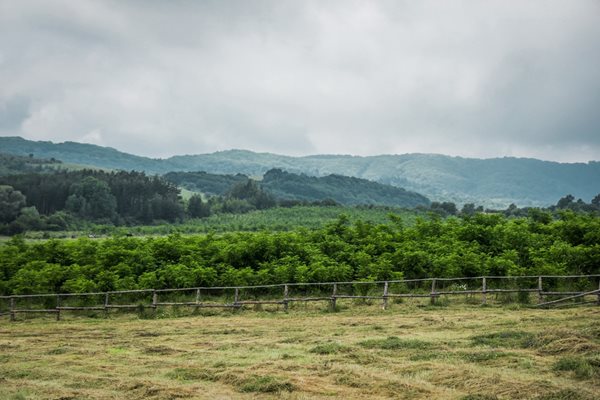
{"x": 159, "y": 78}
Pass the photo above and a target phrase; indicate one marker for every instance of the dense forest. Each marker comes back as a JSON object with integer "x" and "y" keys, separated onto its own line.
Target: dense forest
{"x": 53, "y": 201}
{"x": 342, "y": 251}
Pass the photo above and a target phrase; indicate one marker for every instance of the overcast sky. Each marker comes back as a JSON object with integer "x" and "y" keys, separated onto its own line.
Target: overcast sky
{"x": 158, "y": 78}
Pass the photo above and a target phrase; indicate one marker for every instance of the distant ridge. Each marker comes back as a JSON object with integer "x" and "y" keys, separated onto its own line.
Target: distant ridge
{"x": 495, "y": 182}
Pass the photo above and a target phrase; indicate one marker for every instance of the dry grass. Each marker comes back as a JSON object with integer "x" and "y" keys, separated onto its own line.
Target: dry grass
{"x": 455, "y": 352}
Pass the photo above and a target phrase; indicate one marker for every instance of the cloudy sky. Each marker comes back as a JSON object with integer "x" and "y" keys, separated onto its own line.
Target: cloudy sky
{"x": 158, "y": 78}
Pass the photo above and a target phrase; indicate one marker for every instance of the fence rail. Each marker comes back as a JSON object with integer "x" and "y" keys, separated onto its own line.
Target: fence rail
{"x": 547, "y": 288}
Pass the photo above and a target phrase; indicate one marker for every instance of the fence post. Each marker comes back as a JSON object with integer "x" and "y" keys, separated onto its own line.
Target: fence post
{"x": 58, "y": 307}
{"x": 12, "y": 308}
{"x": 599, "y": 292}
{"x": 433, "y": 291}
{"x": 154, "y": 301}
{"x": 540, "y": 296}
{"x": 385, "y": 295}
{"x": 333, "y": 297}
{"x": 237, "y": 297}
{"x": 106, "y": 295}
{"x": 198, "y": 296}
{"x": 285, "y": 297}
{"x": 484, "y": 291}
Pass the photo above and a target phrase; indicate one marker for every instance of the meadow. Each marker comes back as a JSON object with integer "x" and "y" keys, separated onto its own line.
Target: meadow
{"x": 411, "y": 351}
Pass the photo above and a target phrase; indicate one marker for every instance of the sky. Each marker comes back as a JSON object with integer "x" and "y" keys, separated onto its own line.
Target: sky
{"x": 159, "y": 78}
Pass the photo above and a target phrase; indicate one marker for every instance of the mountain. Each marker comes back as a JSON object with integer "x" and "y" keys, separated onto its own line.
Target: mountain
{"x": 288, "y": 186}
{"x": 495, "y": 182}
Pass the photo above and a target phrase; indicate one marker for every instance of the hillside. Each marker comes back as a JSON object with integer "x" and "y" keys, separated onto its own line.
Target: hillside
{"x": 343, "y": 189}
{"x": 493, "y": 182}
{"x": 288, "y": 186}
{"x": 84, "y": 154}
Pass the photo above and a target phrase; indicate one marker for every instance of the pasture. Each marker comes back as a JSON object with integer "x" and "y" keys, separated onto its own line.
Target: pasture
{"x": 410, "y": 351}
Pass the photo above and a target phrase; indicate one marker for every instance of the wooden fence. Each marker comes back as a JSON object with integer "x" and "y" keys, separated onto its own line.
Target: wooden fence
{"x": 549, "y": 290}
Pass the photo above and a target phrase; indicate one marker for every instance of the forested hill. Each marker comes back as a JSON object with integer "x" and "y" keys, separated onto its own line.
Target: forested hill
{"x": 342, "y": 189}
{"x": 288, "y": 186}
{"x": 491, "y": 182}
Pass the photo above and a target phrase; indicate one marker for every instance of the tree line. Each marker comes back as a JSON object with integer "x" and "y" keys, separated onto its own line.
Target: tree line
{"x": 568, "y": 202}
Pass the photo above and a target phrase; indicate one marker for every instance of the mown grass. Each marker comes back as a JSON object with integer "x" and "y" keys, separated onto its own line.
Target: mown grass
{"x": 454, "y": 352}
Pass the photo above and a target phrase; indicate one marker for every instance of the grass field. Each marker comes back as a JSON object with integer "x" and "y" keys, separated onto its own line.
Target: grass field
{"x": 409, "y": 351}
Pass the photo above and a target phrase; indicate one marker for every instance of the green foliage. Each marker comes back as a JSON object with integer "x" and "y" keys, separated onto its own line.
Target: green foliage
{"x": 447, "y": 208}
{"x": 253, "y": 194}
{"x": 11, "y": 203}
{"x": 126, "y": 197}
{"x": 197, "y": 208}
{"x": 91, "y": 198}
{"x": 346, "y": 248}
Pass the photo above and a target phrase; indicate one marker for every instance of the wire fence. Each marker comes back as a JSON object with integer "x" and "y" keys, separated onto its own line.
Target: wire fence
{"x": 537, "y": 291}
